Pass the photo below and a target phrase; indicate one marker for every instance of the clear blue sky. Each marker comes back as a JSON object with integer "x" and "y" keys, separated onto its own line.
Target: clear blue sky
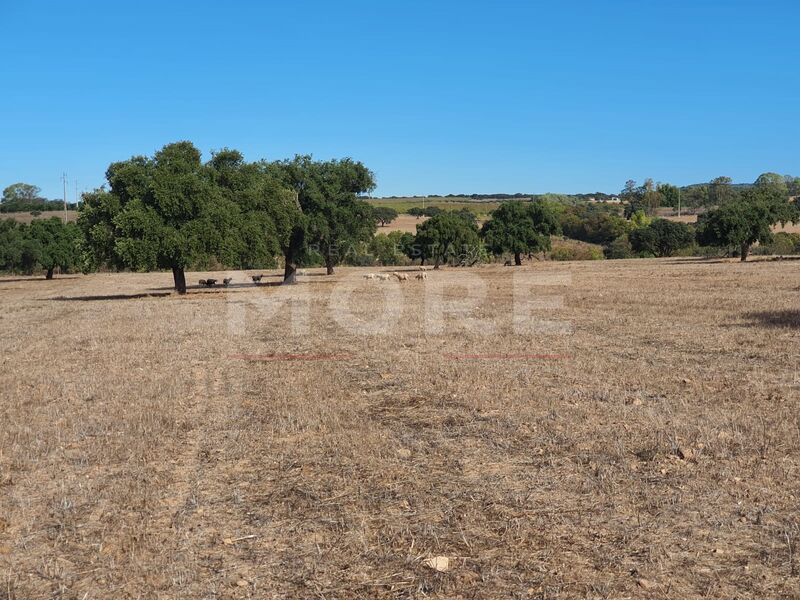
{"x": 435, "y": 97}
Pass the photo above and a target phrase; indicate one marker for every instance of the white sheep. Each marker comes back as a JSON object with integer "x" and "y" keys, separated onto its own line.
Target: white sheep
{"x": 369, "y": 276}
{"x": 400, "y": 276}
{"x": 422, "y": 275}
{"x": 382, "y": 276}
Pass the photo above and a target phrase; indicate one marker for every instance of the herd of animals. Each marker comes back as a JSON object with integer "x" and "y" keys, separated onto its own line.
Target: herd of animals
{"x": 400, "y": 276}
{"x": 256, "y": 279}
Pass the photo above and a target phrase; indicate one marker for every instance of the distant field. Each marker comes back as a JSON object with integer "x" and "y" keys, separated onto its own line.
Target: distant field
{"x": 401, "y": 205}
{"x": 788, "y": 228}
{"x": 682, "y": 218}
{"x": 403, "y": 223}
{"x": 26, "y": 217}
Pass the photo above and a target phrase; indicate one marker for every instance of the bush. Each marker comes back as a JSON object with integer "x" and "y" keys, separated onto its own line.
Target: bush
{"x": 575, "y": 251}
{"x": 619, "y": 248}
{"x": 428, "y": 211}
{"x": 592, "y": 224}
{"x": 782, "y": 243}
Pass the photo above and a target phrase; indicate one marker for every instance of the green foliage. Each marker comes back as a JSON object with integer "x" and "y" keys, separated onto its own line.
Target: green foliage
{"x": 520, "y": 228}
{"x": 428, "y": 211}
{"x": 661, "y": 238}
{"x": 619, "y": 248}
{"x": 670, "y": 194}
{"x": 639, "y": 219}
{"x": 58, "y": 242}
{"x": 332, "y": 219}
{"x": 671, "y": 236}
{"x": 721, "y": 191}
{"x": 695, "y": 196}
{"x": 782, "y": 243}
{"x": 576, "y": 251}
{"x": 45, "y": 243}
{"x": 792, "y": 185}
{"x": 646, "y": 198}
{"x": 24, "y": 197}
{"x": 592, "y": 223}
{"x": 384, "y": 215}
{"x": 774, "y": 183}
{"x": 172, "y": 211}
{"x": 21, "y": 192}
{"x": 391, "y": 249}
{"x": 643, "y": 241}
{"x": 447, "y": 237}
{"x": 741, "y": 223}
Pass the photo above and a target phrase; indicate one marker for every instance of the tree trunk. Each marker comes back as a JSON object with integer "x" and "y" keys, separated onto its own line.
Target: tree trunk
{"x": 744, "y": 251}
{"x": 518, "y": 258}
{"x": 49, "y": 273}
{"x": 289, "y": 270}
{"x": 436, "y": 264}
{"x": 179, "y": 277}
{"x": 329, "y": 265}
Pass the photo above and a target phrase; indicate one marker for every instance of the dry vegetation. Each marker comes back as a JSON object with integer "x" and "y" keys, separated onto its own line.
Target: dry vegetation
{"x": 653, "y": 452}
{"x": 26, "y": 217}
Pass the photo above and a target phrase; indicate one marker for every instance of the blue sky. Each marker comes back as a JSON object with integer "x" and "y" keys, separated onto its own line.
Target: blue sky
{"x": 435, "y": 97}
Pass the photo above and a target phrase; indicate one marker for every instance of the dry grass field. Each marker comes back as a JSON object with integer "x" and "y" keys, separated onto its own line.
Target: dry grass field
{"x": 208, "y": 446}
{"x": 403, "y": 223}
{"x": 26, "y": 217}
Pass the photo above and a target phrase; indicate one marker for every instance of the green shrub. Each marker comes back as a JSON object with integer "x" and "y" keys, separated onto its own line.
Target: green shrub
{"x": 619, "y": 248}
{"x": 576, "y": 252}
{"x": 784, "y": 243}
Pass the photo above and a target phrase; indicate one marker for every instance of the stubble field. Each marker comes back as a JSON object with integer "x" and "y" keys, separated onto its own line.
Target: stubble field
{"x": 221, "y": 445}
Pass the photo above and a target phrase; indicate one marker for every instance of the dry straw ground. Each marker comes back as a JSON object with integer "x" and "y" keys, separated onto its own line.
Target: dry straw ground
{"x": 142, "y": 457}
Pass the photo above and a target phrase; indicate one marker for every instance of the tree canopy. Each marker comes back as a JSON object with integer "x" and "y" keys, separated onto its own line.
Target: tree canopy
{"x": 24, "y": 197}
{"x": 520, "y": 228}
{"x": 447, "y": 237}
{"x": 45, "y": 243}
{"x": 59, "y": 243}
{"x": 384, "y": 214}
{"x": 172, "y": 211}
{"x": 332, "y": 217}
{"x": 749, "y": 219}
{"x": 661, "y": 238}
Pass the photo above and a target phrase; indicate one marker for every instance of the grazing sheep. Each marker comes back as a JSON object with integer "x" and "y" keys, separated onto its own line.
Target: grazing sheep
{"x": 202, "y": 282}
{"x": 256, "y": 278}
{"x": 369, "y": 276}
{"x": 400, "y": 276}
{"x": 423, "y": 268}
{"x": 422, "y": 275}
{"x": 507, "y": 263}
{"x": 382, "y": 276}
{"x": 227, "y": 281}
{"x": 211, "y": 282}
{"x": 301, "y": 272}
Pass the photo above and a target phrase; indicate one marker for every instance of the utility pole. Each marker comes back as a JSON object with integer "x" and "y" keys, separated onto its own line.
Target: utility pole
{"x": 64, "y": 180}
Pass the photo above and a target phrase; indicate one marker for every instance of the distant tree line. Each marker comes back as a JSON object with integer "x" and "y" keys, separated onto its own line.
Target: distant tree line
{"x": 173, "y": 211}
{"x": 24, "y": 197}
{"x": 649, "y": 196}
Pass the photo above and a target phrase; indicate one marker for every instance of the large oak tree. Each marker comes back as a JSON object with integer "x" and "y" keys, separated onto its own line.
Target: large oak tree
{"x": 520, "y": 228}
{"x": 172, "y": 211}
